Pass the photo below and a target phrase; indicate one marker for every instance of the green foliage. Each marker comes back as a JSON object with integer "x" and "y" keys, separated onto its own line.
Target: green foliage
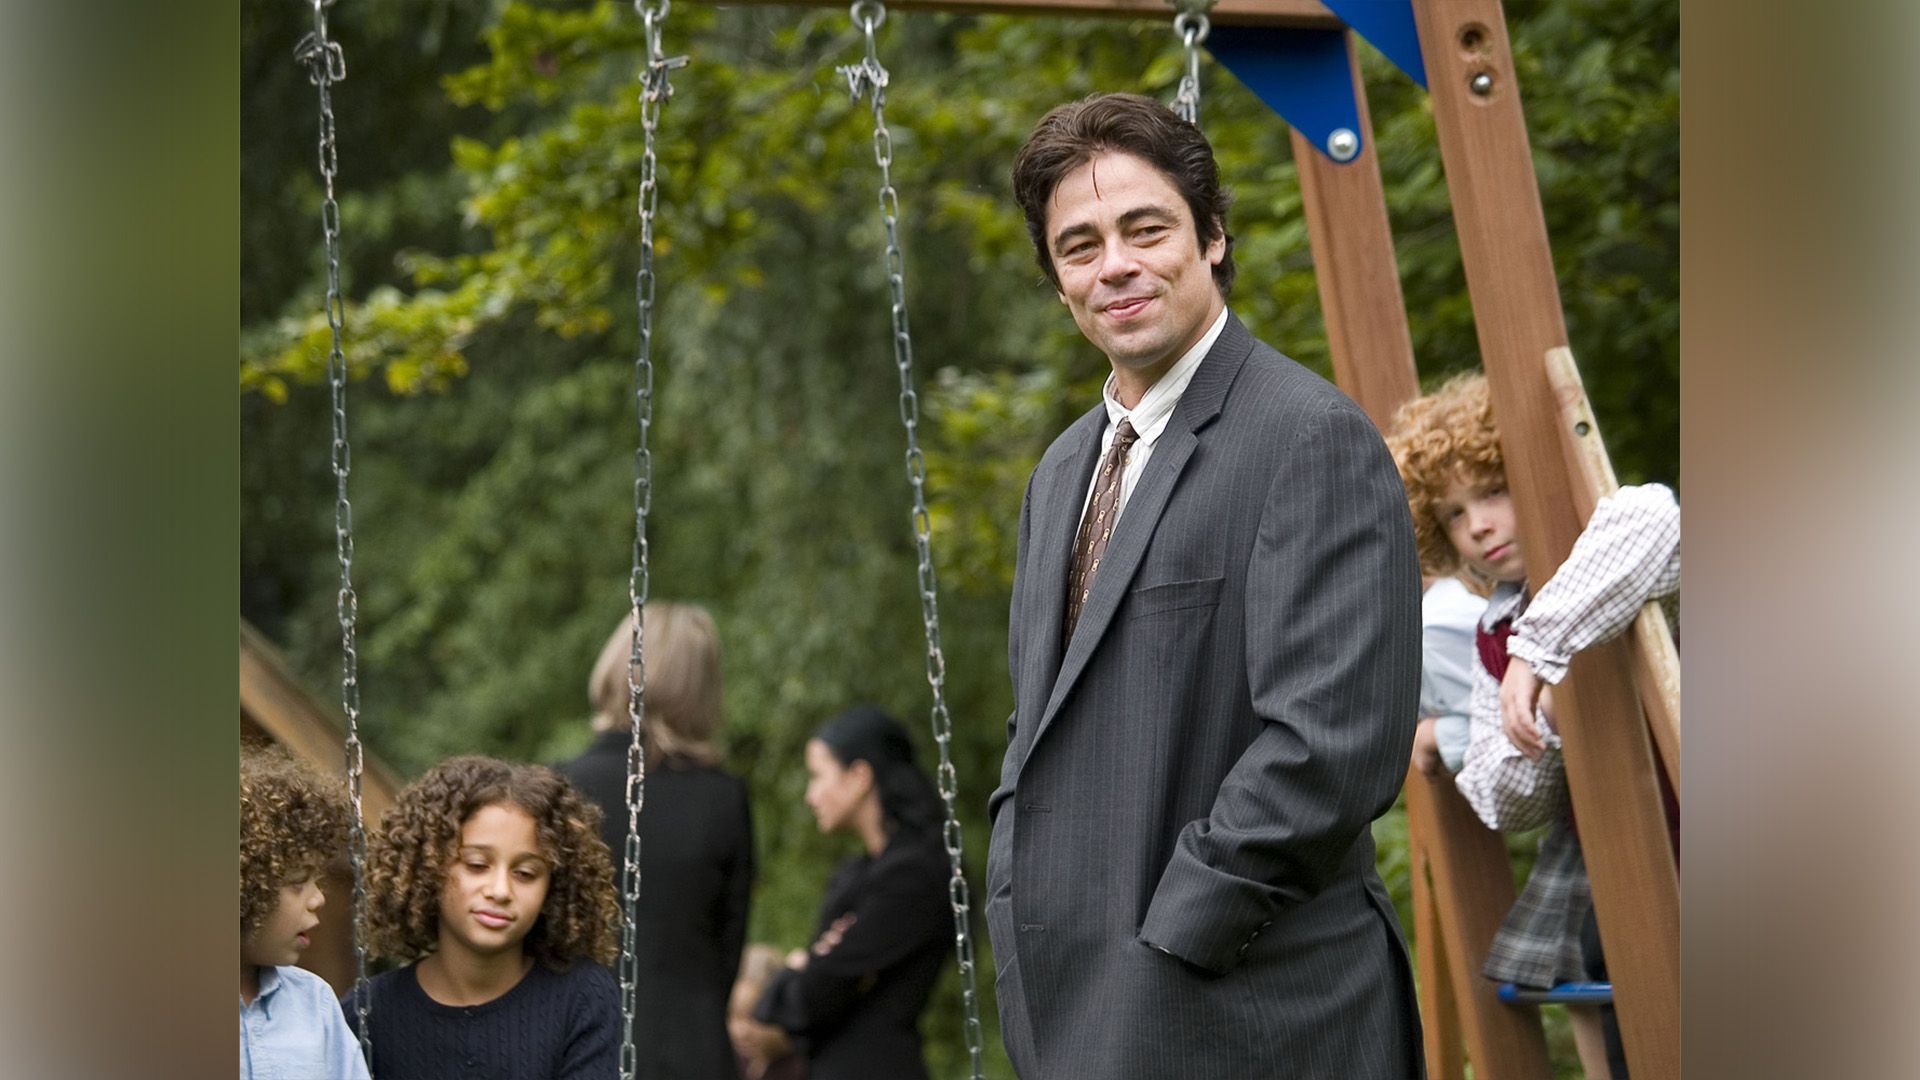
{"x": 489, "y": 159}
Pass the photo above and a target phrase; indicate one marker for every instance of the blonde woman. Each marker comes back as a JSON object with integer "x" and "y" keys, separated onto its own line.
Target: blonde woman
{"x": 696, "y": 838}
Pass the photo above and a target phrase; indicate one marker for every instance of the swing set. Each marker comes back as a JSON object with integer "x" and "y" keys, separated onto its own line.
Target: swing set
{"x": 1619, "y": 706}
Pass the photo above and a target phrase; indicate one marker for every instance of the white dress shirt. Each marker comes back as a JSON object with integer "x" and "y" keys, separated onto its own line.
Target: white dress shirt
{"x": 1149, "y": 417}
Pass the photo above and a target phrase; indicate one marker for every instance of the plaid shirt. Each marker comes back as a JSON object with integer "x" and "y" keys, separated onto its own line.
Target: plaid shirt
{"x": 1628, "y": 554}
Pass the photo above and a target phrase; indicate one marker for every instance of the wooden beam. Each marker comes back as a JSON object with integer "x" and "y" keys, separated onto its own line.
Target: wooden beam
{"x": 1353, "y": 264}
{"x": 273, "y": 699}
{"x": 1516, "y": 308}
{"x": 1470, "y": 869}
{"x": 1308, "y": 13}
{"x": 1656, "y": 663}
{"x": 1439, "y": 1012}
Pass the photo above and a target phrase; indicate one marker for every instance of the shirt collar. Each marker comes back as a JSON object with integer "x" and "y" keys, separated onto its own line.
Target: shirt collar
{"x": 1505, "y": 603}
{"x": 269, "y": 982}
{"x": 1156, "y": 405}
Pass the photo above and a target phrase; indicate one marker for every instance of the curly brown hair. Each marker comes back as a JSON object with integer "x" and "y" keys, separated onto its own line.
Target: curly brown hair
{"x": 419, "y": 835}
{"x": 1443, "y": 437}
{"x": 293, "y": 822}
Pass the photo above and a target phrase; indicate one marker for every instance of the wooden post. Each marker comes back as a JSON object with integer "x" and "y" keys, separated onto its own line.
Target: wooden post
{"x": 1516, "y": 306}
{"x": 1440, "y": 1013}
{"x": 1353, "y": 265}
{"x": 1473, "y": 877}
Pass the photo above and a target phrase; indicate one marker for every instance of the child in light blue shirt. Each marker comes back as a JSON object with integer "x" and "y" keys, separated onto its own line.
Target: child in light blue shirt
{"x": 291, "y": 824}
{"x": 1449, "y": 614}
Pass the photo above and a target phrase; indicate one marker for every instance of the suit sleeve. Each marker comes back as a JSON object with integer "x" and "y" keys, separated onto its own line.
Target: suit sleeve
{"x": 1008, "y": 764}
{"x": 1333, "y": 668}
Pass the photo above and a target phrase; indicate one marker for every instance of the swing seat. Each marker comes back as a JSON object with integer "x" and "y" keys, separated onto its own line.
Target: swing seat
{"x": 1566, "y": 993}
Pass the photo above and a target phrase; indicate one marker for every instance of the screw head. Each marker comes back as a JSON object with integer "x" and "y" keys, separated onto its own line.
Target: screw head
{"x": 1481, "y": 84}
{"x": 1581, "y": 428}
{"x": 1342, "y": 144}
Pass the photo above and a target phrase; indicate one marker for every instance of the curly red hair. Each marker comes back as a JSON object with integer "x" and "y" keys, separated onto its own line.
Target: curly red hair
{"x": 418, "y": 837}
{"x": 293, "y": 822}
{"x": 1438, "y": 439}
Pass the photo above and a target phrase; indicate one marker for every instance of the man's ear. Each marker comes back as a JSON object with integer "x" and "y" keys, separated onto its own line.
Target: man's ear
{"x": 1217, "y": 247}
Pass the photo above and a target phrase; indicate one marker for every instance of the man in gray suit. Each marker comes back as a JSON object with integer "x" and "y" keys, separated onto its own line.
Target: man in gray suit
{"x": 1215, "y": 650}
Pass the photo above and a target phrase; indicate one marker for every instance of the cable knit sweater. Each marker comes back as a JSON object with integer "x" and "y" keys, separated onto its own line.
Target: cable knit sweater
{"x": 563, "y": 1025}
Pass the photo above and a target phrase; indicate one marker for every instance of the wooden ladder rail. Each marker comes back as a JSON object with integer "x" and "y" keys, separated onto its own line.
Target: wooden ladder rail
{"x": 1462, "y": 880}
{"x": 1516, "y": 305}
{"x": 1656, "y": 662}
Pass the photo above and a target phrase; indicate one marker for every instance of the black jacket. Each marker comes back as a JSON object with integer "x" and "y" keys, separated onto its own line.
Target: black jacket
{"x": 858, "y": 1004}
{"x": 696, "y": 873}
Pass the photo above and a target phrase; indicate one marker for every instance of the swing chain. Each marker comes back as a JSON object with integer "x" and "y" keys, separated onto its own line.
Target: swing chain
{"x": 869, "y": 78}
{"x": 1191, "y": 27}
{"x": 326, "y": 65}
{"x": 655, "y": 90}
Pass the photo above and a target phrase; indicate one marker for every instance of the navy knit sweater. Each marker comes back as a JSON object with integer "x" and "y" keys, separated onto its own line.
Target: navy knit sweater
{"x": 559, "y": 1025}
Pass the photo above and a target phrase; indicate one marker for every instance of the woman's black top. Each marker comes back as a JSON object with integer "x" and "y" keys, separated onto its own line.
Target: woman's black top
{"x": 857, "y": 1004}
{"x": 696, "y": 872}
{"x": 559, "y": 1024}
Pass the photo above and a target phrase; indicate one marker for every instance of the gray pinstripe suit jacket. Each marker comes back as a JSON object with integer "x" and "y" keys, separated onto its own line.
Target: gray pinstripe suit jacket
{"x": 1197, "y": 769}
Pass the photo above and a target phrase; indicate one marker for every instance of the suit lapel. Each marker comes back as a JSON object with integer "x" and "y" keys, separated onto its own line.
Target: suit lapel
{"x": 1199, "y": 405}
{"x": 1063, "y": 492}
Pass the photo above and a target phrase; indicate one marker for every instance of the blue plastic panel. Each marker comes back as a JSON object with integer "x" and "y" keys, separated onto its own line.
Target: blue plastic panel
{"x": 1389, "y": 26}
{"x": 1301, "y": 74}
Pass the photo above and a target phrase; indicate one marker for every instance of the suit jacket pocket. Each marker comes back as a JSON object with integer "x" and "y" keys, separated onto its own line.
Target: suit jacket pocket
{"x": 1173, "y": 596}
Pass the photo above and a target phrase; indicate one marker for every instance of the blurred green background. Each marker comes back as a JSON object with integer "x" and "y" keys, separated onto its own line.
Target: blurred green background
{"x": 489, "y": 163}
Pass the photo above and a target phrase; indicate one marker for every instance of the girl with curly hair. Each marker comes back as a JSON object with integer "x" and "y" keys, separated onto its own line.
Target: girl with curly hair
{"x": 292, "y": 823}
{"x": 492, "y": 879}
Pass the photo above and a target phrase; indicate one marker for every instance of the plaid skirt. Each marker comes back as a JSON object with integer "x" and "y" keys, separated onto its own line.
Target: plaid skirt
{"x": 1538, "y": 943}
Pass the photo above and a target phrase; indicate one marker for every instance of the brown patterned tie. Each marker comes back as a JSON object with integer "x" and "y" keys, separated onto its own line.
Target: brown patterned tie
{"x": 1096, "y": 526}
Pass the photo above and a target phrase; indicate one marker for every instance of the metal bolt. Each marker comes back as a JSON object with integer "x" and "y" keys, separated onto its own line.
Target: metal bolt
{"x": 1342, "y": 144}
{"x": 1581, "y": 428}
{"x": 1481, "y": 84}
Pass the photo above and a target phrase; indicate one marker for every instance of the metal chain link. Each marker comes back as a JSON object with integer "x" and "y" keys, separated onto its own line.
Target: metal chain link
{"x": 1191, "y": 27}
{"x": 655, "y": 90}
{"x": 326, "y": 65}
{"x": 869, "y": 78}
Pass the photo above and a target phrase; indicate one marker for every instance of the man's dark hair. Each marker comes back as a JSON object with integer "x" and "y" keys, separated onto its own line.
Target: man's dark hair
{"x": 1072, "y": 134}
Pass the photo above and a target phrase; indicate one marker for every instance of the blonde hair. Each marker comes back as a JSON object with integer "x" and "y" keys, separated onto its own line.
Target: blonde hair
{"x": 682, "y": 653}
{"x": 1443, "y": 437}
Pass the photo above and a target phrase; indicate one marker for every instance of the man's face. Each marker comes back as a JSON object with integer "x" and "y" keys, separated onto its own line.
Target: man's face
{"x": 1131, "y": 266}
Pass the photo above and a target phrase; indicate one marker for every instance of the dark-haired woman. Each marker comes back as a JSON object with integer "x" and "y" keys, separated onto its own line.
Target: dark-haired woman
{"x": 855, "y": 996}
